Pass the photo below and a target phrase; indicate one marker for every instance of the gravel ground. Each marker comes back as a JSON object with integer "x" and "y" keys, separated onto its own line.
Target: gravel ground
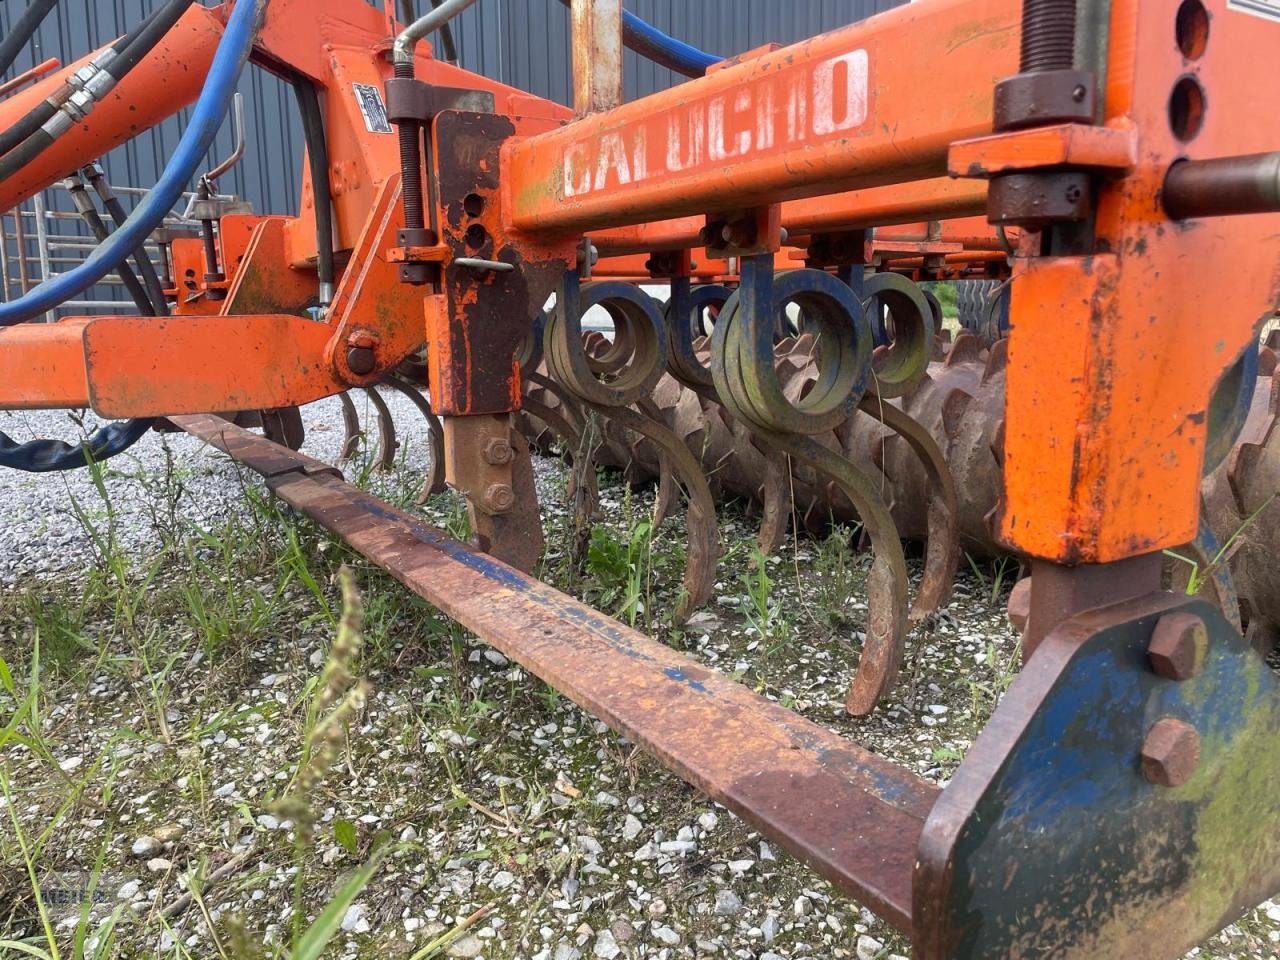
{"x": 174, "y": 709}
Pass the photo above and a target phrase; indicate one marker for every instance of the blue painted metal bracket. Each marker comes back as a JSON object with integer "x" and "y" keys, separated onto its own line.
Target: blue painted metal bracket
{"x": 1051, "y": 842}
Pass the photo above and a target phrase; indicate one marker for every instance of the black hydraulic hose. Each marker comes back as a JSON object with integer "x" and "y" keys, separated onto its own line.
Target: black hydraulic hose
{"x": 115, "y": 210}
{"x": 318, "y": 159}
{"x": 23, "y": 29}
{"x": 80, "y": 196}
{"x": 151, "y": 32}
{"x": 130, "y": 50}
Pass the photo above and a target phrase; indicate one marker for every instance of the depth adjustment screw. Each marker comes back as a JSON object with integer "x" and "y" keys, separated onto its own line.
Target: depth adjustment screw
{"x": 499, "y": 497}
{"x": 1170, "y": 753}
{"x": 1179, "y": 645}
{"x": 497, "y": 452}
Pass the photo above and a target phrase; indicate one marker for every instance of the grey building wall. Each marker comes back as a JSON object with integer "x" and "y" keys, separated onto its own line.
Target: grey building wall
{"x": 524, "y": 43}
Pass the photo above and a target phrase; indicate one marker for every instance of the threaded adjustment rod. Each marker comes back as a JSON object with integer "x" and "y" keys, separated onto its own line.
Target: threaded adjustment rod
{"x": 1048, "y": 35}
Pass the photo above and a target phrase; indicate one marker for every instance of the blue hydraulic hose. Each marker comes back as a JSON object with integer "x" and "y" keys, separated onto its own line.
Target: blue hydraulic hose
{"x": 664, "y": 50}
{"x": 652, "y": 44}
{"x": 206, "y": 118}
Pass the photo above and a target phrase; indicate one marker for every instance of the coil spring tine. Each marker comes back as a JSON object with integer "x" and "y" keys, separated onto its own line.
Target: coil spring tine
{"x": 745, "y": 371}
{"x": 352, "y": 433}
{"x": 434, "y": 482}
{"x": 684, "y": 326}
{"x": 634, "y": 363}
{"x": 887, "y": 618}
{"x": 775, "y": 498}
{"x": 583, "y": 461}
{"x": 668, "y": 494}
{"x": 283, "y": 425}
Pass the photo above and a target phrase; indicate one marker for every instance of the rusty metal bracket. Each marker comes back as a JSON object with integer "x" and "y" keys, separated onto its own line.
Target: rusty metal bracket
{"x": 417, "y": 100}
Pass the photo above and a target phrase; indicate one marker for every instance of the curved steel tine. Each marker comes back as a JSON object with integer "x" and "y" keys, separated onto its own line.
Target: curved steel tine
{"x": 942, "y": 547}
{"x": 887, "y": 618}
{"x": 668, "y": 493}
{"x": 434, "y": 482}
{"x": 775, "y": 499}
{"x": 583, "y": 461}
{"x": 387, "y": 442}
{"x": 352, "y": 434}
{"x": 283, "y": 425}
{"x": 703, "y": 539}
{"x": 585, "y": 493}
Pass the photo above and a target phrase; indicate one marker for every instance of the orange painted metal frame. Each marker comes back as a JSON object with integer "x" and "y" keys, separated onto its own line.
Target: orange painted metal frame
{"x": 1113, "y": 356}
{"x": 842, "y": 111}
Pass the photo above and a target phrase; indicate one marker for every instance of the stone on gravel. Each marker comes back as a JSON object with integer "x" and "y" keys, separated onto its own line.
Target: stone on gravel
{"x": 465, "y": 946}
{"x": 159, "y": 865}
{"x": 667, "y": 935}
{"x": 631, "y": 827}
{"x": 868, "y": 948}
{"x": 770, "y": 928}
{"x": 727, "y": 903}
{"x": 144, "y": 847}
{"x": 606, "y": 947}
{"x": 353, "y": 917}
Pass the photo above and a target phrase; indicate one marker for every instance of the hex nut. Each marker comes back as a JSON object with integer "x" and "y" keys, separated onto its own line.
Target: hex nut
{"x": 1170, "y": 753}
{"x": 497, "y": 452}
{"x": 499, "y": 497}
{"x": 1179, "y": 645}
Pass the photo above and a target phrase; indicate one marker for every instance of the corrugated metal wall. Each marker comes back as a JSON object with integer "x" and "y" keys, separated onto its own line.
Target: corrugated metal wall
{"x": 524, "y": 43}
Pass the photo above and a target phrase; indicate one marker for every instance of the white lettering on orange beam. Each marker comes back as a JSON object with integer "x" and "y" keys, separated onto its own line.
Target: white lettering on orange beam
{"x": 613, "y": 156}
{"x": 833, "y": 98}
{"x": 840, "y": 87}
{"x": 717, "y": 149}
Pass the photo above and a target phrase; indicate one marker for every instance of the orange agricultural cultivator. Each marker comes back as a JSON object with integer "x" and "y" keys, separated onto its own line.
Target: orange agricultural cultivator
{"x": 1100, "y": 176}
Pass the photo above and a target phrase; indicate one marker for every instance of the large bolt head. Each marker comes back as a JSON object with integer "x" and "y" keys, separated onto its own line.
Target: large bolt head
{"x": 1170, "y": 753}
{"x": 497, "y": 452}
{"x": 361, "y": 360}
{"x": 1178, "y": 646}
{"x": 499, "y": 497}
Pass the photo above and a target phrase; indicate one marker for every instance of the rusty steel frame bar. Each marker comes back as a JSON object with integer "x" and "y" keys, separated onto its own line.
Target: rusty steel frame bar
{"x": 861, "y": 818}
{"x": 597, "y": 55}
